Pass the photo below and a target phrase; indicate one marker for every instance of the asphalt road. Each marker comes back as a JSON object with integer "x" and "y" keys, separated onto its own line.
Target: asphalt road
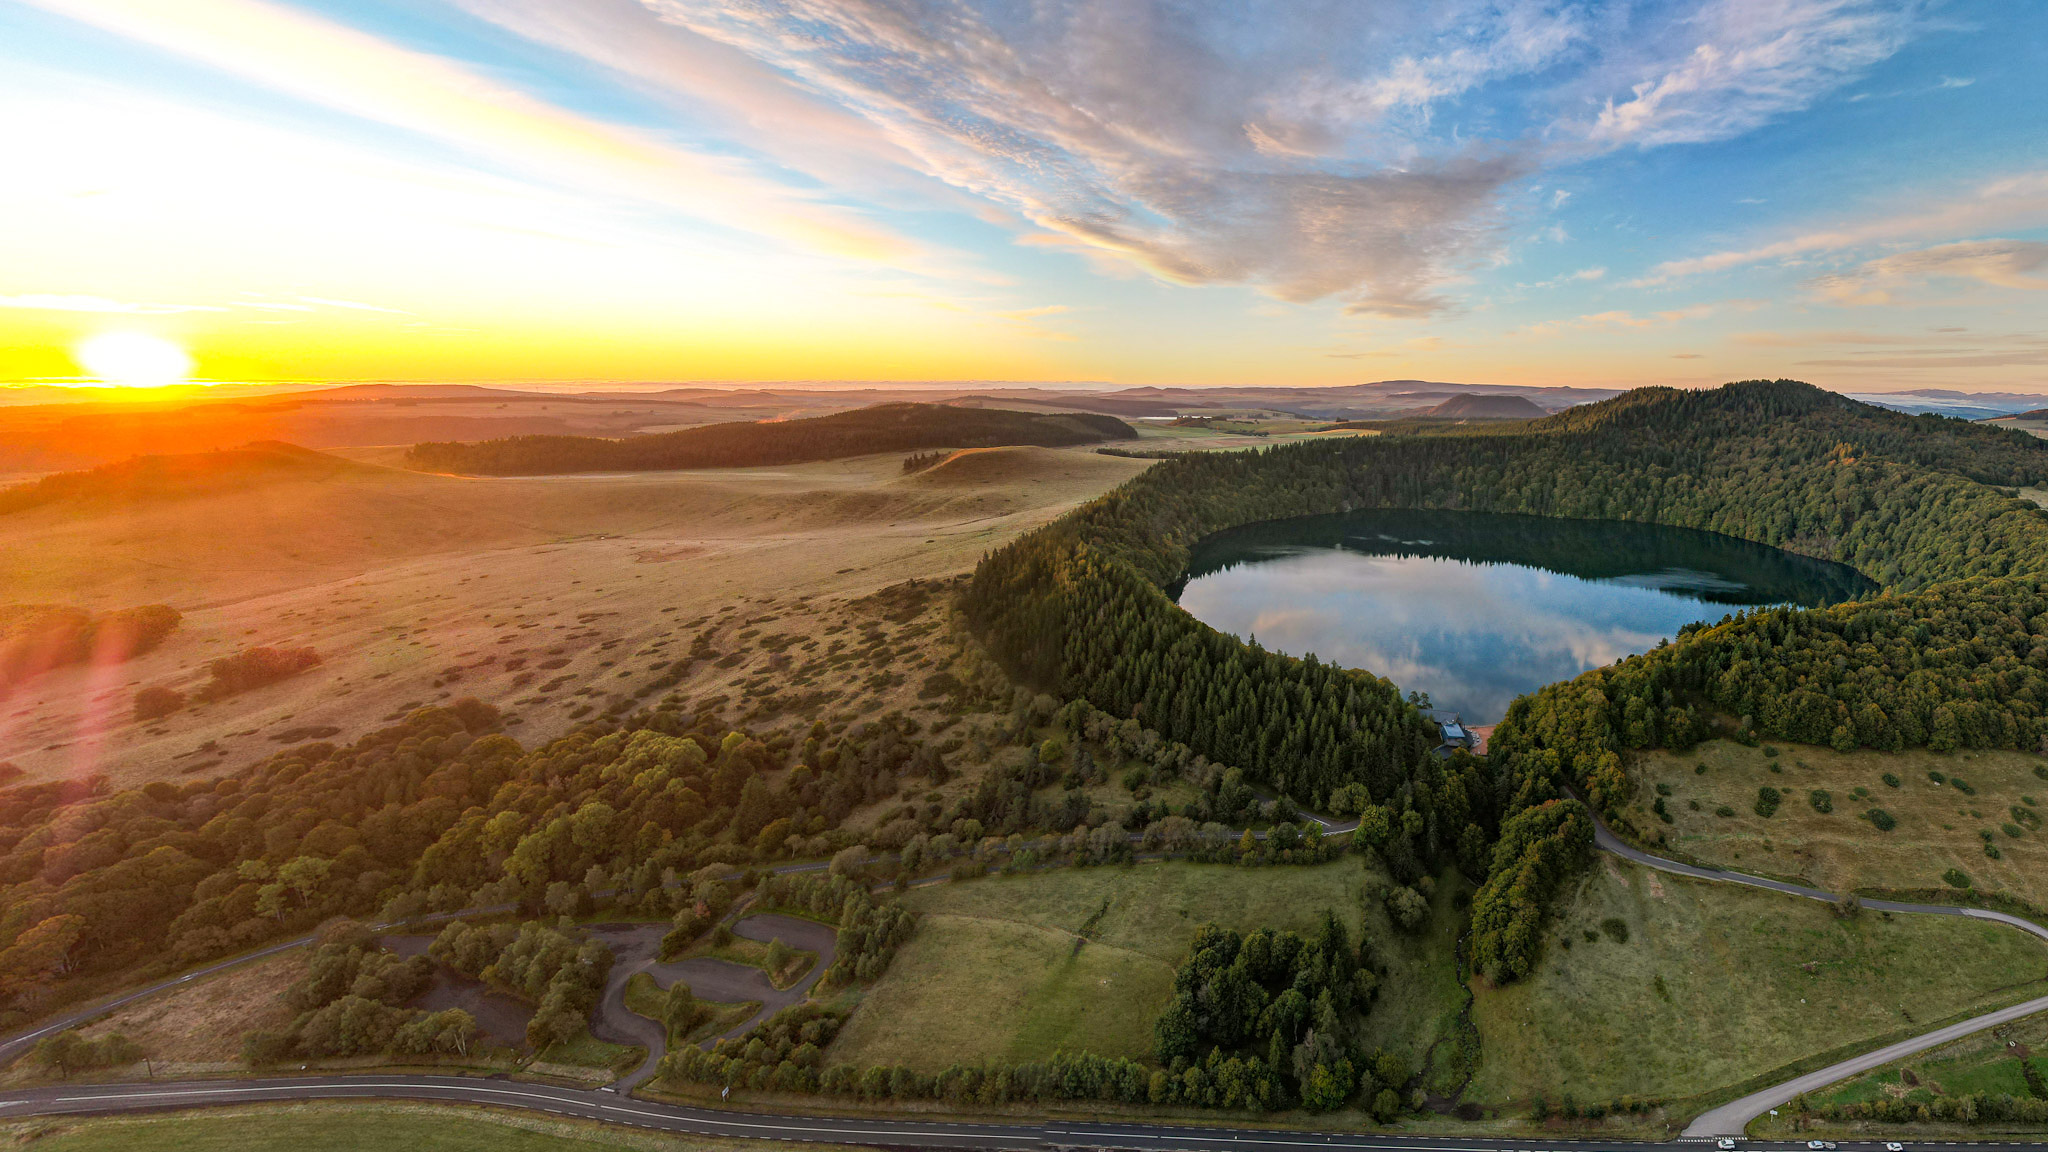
{"x": 1608, "y": 842}
{"x": 889, "y": 1131}
{"x": 1729, "y": 1119}
{"x": 1732, "y": 1118}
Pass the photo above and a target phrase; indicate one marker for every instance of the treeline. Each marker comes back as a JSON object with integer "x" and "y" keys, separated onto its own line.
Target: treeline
{"x": 351, "y": 1001}
{"x": 880, "y": 428}
{"x": 36, "y": 638}
{"x": 869, "y": 934}
{"x": 785, "y": 1055}
{"x": 1969, "y": 1108}
{"x": 438, "y": 813}
{"x": 1961, "y": 666}
{"x": 1273, "y": 1014}
{"x": 1538, "y": 849}
{"x": 559, "y": 974}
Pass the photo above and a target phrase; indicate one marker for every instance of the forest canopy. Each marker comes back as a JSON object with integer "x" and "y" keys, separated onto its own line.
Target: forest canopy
{"x": 1948, "y": 654}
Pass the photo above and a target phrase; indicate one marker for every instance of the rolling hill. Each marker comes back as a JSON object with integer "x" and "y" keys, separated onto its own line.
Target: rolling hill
{"x": 881, "y": 428}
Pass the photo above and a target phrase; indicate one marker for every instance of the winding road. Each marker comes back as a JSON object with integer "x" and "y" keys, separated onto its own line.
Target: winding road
{"x": 1732, "y": 1118}
{"x": 635, "y": 949}
{"x": 614, "y": 1022}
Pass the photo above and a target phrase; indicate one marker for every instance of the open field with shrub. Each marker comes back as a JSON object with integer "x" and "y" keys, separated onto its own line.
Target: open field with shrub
{"x": 1654, "y": 985}
{"x": 1015, "y": 968}
{"x": 1989, "y": 1062}
{"x": 1944, "y": 811}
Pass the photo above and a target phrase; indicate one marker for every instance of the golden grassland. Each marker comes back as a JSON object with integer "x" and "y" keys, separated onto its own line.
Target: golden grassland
{"x": 1673, "y": 987}
{"x": 1938, "y": 826}
{"x": 198, "y": 1026}
{"x": 548, "y": 596}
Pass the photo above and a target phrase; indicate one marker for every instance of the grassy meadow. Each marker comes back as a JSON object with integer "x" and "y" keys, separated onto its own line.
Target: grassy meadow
{"x": 1654, "y": 985}
{"x": 1014, "y": 968}
{"x": 1936, "y": 825}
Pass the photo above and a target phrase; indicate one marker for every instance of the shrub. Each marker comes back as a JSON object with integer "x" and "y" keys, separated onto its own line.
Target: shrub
{"x": 1724, "y": 811}
{"x": 254, "y": 668}
{"x": 67, "y": 1052}
{"x": 1407, "y": 908}
{"x": 1881, "y": 819}
{"x": 2012, "y": 830}
{"x": 1771, "y": 751}
{"x": 1961, "y": 785}
{"x": 1992, "y": 851}
{"x": 1767, "y": 801}
{"x": 1956, "y": 878}
{"x": 1937, "y": 776}
{"x": 2041, "y": 770}
{"x": 1700, "y": 769}
{"x": 157, "y": 702}
{"x": 1616, "y": 929}
{"x": 1891, "y": 781}
{"x": 1662, "y": 812}
{"x": 1821, "y": 801}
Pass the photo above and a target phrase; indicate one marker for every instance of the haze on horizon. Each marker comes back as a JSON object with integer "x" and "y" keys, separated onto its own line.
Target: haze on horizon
{"x": 1852, "y": 192}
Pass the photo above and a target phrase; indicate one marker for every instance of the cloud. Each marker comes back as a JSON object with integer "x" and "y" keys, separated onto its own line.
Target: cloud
{"x": 1737, "y": 64}
{"x": 1687, "y": 356}
{"x": 339, "y": 68}
{"x": 1620, "y": 320}
{"x": 55, "y": 302}
{"x": 353, "y": 305}
{"x": 2016, "y": 201}
{"x": 1998, "y": 263}
{"x": 1272, "y": 160}
{"x": 1583, "y": 275}
{"x": 1367, "y": 153}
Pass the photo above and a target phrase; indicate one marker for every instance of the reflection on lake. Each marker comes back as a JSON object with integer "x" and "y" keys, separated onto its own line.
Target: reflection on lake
{"x": 1477, "y": 608}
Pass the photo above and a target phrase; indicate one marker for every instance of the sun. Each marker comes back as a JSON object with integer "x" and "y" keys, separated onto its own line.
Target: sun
{"x": 134, "y": 360}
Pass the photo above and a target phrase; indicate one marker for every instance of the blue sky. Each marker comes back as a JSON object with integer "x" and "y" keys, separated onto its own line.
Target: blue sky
{"x": 1853, "y": 192}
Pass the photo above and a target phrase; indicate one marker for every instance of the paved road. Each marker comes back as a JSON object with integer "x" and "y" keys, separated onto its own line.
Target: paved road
{"x": 19, "y": 1043}
{"x": 1729, "y": 1119}
{"x": 1609, "y": 842}
{"x": 1732, "y": 1118}
{"x": 889, "y": 1131}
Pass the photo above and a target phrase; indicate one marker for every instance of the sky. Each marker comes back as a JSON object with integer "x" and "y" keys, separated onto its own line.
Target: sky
{"x": 1280, "y": 192}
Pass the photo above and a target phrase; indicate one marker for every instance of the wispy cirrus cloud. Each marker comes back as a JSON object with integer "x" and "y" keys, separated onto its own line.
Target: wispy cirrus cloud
{"x": 1998, "y": 263}
{"x": 60, "y": 302}
{"x": 1734, "y": 65}
{"x": 2014, "y": 201}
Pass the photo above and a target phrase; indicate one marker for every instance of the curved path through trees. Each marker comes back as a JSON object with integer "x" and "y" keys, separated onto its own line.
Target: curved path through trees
{"x": 635, "y": 949}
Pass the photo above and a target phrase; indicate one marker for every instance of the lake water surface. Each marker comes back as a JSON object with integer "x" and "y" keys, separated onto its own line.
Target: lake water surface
{"x": 1477, "y": 608}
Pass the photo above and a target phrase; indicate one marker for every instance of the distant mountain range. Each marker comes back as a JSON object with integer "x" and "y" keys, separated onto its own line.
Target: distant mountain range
{"x": 47, "y": 429}
{"x": 1947, "y": 402}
